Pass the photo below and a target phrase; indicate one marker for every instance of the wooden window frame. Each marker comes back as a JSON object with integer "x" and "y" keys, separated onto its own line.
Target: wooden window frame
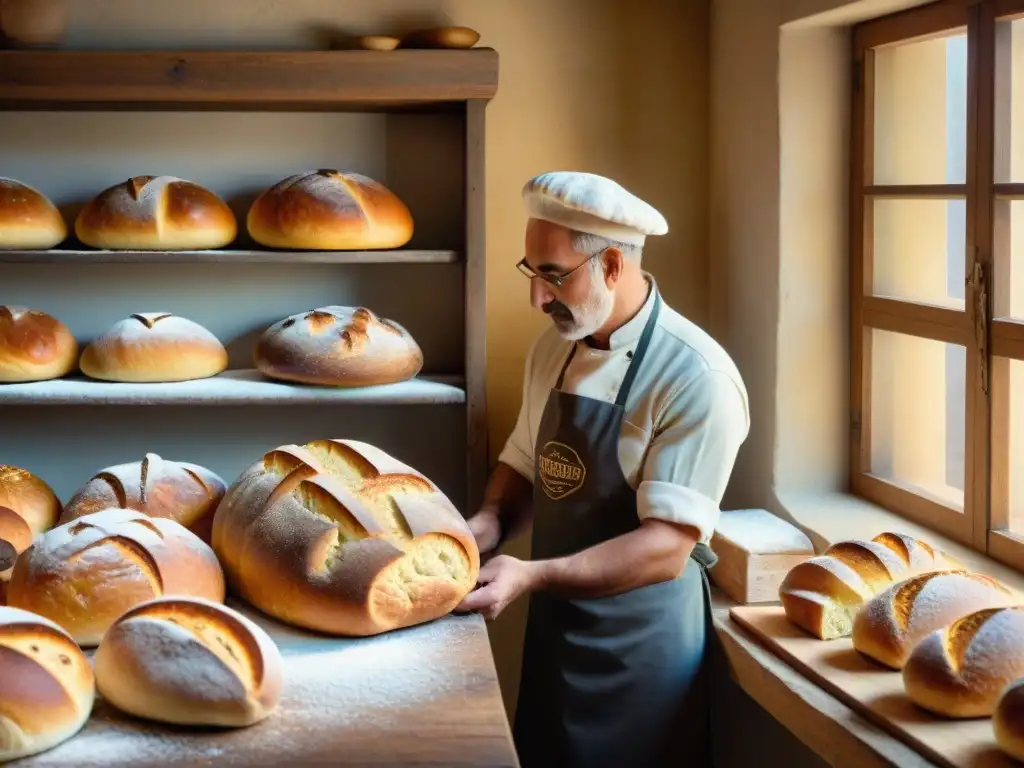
{"x": 989, "y": 341}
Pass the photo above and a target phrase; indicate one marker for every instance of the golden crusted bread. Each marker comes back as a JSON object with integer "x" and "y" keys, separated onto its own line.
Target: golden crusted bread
{"x": 28, "y": 220}
{"x": 34, "y": 346}
{"x": 823, "y": 594}
{"x": 186, "y": 493}
{"x": 1008, "y": 720}
{"x": 87, "y": 572}
{"x": 47, "y": 688}
{"x": 189, "y": 661}
{"x": 329, "y": 210}
{"x": 339, "y": 347}
{"x": 154, "y": 346}
{"x": 15, "y": 538}
{"x": 29, "y": 497}
{"x": 156, "y": 213}
{"x": 892, "y": 622}
{"x": 961, "y": 669}
{"x": 338, "y": 536}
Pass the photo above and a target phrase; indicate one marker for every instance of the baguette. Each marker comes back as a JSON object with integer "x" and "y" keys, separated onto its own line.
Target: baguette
{"x": 823, "y": 594}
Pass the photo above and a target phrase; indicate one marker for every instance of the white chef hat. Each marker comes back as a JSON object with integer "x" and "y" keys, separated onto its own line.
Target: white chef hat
{"x": 590, "y": 203}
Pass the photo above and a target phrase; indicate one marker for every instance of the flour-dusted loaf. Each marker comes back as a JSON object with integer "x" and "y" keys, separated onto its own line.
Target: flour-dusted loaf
{"x": 340, "y": 537}
{"x": 156, "y": 213}
{"x": 87, "y": 572}
{"x": 892, "y": 622}
{"x": 47, "y": 688}
{"x": 30, "y": 497}
{"x": 189, "y": 661}
{"x": 186, "y": 493}
{"x": 823, "y": 594}
{"x": 28, "y": 220}
{"x": 154, "y": 347}
{"x": 961, "y": 669}
{"x": 329, "y": 210}
{"x": 339, "y": 347}
{"x": 34, "y": 346}
{"x": 1008, "y": 720}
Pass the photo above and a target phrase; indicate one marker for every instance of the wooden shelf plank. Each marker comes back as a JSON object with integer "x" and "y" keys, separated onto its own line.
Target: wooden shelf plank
{"x": 250, "y": 80}
{"x": 231, "y": 256}
{"x": 235, "y": 387}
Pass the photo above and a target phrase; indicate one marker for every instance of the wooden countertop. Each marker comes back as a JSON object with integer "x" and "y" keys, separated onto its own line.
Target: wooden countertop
{"x": 425, "y": 695}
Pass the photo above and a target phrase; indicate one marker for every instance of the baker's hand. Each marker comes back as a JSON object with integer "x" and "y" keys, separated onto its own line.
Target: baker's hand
{"x": 501, "y": 581}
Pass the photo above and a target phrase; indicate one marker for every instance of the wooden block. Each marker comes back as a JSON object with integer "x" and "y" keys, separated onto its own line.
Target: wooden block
{"x": 756, "y": 550}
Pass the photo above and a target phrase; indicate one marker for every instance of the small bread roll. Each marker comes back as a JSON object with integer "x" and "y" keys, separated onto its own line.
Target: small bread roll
{"x": 1008, "y": 720}
{"x": 156, "y": 213}
{"x": 892, "y": 622}
{"x": 154, "y": 346}
{"x": 442, "y": 37}
{"x": 189, "y": 661}
{"x": 15, "y": 538}
{"x": 960, "y": 670}
{"x": 338, "y": 347}
{"x": 47, "y": 688}
{"x": 183, "y": 492}
{"x": 87, "y": 572}
{"x": 329, "y": 210}
{"x": 32, "y": 499}
{"x": 28, "y": 220}
{"x": 34, "y": 346}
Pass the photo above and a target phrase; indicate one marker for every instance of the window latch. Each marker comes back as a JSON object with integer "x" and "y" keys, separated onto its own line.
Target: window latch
{"x": 979, "y": 288}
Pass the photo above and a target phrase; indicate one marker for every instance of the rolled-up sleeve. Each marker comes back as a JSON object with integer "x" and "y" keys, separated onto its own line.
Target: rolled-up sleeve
{"x": 518, "y": 449}
{"x": 693, "y": 452}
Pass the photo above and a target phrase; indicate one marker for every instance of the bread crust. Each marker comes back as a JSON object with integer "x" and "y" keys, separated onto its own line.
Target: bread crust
{"x": 34, "y": 346}
{"x": 1008, "y": 720}
{"x": 329, "y": 210}
{"x": 28, "y": 219}
{"x": 14, "y": 531}
{"x": 30, "y": 497}
{"x": 87, "y": 572}
{"x": 339, "y": 347}
{"x": 339, "y": 537}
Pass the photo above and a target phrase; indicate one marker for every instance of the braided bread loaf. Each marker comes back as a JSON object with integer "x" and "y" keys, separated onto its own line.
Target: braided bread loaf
{"x": 340, "y": 537}
{"x": 823, "y": 594}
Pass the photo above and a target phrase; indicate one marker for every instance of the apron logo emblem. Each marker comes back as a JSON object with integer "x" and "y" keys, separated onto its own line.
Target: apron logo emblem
{"x": 561, "y": 470}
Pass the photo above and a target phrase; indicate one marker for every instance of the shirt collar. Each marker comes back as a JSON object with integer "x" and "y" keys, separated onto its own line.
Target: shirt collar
{"x": 627, "y": 334}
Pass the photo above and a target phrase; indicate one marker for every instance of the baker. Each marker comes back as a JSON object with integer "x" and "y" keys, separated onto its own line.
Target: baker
{"x": 629, "y": 427}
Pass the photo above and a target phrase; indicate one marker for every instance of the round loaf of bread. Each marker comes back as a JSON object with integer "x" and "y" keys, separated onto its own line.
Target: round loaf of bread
{"x": 960, "y": 670}
{"x": 329, "y": 210}
{"x": 47, "y": 688}
{"x": 189, "y": 661}
{"x": 152, "y": 347}
{"x": 338, "y": 536}
{"x": 338, "y": 347}
{"x": 15, "y": 538}
{"x": 87, "y": 572}
{"x": 31, "y": 498}
{"x": 156, "y": 213}
{"x": 186, "y": 493}
{"x": 28, "y": 220}
{"x": 1008, "y": 720}
{"x": 34, "y": 346}
{"x": 892, "y": 622}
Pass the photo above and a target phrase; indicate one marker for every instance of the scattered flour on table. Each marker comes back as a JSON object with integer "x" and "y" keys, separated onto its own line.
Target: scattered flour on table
{"x": 762, "y": 532}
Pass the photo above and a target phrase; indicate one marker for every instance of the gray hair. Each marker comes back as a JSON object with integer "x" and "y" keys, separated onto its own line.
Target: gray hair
{"x": 585, "y": 242}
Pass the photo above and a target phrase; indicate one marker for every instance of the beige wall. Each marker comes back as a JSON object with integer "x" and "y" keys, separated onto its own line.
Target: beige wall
{"x": 584, "y": 84}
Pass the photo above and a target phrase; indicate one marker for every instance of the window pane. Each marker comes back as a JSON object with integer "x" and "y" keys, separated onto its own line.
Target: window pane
{"x": 918, "y": 409}
{"x": 919, "y": 250}
{"x": 1016, "y": 446}
{"x": 1009, "y": 120}
{"x": 920, "y": 118}
{"x": 1008, "y": 280}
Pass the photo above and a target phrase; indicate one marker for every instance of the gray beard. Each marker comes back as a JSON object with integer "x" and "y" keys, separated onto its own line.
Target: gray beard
{"x": 589, "y": 316}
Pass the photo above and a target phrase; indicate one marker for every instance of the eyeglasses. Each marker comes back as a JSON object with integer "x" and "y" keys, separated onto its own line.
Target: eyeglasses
{"x": 555, "y": 280}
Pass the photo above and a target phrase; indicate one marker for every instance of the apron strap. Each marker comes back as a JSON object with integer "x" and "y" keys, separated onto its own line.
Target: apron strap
{"x": 641, "y": 350}
{"x": 565, "y": 367}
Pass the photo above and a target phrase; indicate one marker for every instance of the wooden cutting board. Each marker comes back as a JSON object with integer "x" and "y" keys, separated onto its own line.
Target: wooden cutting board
{"x": 874, "y": 691}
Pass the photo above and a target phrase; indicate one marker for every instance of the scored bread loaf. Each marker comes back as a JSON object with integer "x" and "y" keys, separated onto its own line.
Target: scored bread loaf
{"x": 28, "y": 220}
{"x": 156, "y": 213}
{"x": 154, "y": 347}
{"x": 338, "y": 536}
{"x": 1008, "y": 720}
{"x": 34, "y": 346}
{"x": 960, "y": 669}
{"x": 189, "y": 661}
{"x": 823, "y": 594}
{"x": 47, "y": 687}
{"x": 329, "y": 210}
{"x": 87, "y": 572}
{"x": 338, "y": 346}
{"x": 892, "y": 622}
{"x": 186, "y": 493}
{"x": 31, "y": 498}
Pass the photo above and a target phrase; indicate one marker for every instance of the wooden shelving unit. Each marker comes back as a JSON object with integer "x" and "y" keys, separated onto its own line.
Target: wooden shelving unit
{"x": 450, "y": 88}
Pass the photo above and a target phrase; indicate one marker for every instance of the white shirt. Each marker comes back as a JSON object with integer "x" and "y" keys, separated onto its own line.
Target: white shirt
{"x": 686, "y": 416}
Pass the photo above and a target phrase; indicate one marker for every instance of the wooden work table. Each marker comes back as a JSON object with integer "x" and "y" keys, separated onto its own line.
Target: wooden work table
{"x": 425, "y": 695}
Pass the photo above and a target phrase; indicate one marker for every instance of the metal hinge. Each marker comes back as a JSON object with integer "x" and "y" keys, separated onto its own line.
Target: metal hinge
{"x": 978, "y": 282}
